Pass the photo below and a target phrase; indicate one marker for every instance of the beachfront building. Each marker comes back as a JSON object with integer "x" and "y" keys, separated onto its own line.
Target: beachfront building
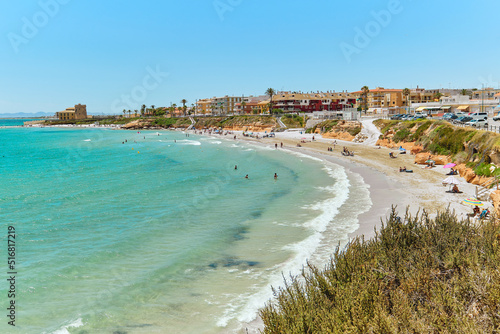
{"x": 420, "y": 95}
{"x": 79, "y": 111}
{"x": 382, "y": 100}
{"x": 224, "y": 105}
{"x": 263, "y": 106}
{"x": 203, "y": 106}
{"x": 346, "y": 114}
{"x": 311, "y": 102}
{"x": 252, "y": 105}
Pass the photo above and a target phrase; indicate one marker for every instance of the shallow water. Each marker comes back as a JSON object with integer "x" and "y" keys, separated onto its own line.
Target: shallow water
{"x": 160, "y": 234}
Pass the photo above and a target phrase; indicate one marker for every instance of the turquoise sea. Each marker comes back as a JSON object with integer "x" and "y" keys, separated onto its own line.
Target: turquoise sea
{"x": 157, "y": 232}
{"x": 15, "y": 122}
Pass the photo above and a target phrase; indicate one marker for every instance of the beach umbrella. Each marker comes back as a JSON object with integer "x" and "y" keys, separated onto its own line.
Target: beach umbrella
{"x": 472, "y": 201}
{"x": 451, "y": 180}
{"x": 450, "y": 165}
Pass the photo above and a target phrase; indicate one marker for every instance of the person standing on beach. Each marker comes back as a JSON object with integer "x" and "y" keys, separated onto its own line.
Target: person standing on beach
{"x": 281, "y": 144}
{"x": 276, "y": 145}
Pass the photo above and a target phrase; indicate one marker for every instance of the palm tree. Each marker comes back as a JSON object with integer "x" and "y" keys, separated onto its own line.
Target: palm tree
{"x": 464, "y": 92}
{"x": 243, "y": 105}
{"x": 222, "y": 108}
{"x": 124, "y": 112}
{"x": 270, "y": 92}
{"x": 184, "y": 101}
{"x": 129, "y": 112}
{"x": 437, "y": 96}
{"x": 364, "y": 98}
{"x": 406, "y": 93}
{"x": 143, "y": 109}
{"x": 135, "y": 112}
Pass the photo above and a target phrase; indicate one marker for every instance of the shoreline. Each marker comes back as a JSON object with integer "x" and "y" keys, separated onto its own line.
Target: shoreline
{"x": 386, "y": 185}
{"x": 408, "y": 192}
{"x": 383, "y": 192}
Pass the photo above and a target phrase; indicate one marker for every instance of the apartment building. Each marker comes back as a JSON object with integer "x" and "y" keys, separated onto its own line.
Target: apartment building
{"x": 225, "y": 105}
{"x": 251, "y": 104}
{"x": 203, "y": 106}
{"x": 381, "y": 100}
{"x": 311, "y": 102}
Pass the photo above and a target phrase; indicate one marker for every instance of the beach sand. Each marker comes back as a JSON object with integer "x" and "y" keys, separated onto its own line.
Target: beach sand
{"x": 415, "y": 192}
{"x": 420, "y": 190}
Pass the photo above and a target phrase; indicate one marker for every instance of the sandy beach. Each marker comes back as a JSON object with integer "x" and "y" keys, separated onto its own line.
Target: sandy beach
{"x": 417, "y": 191}
{"x": 420, "y": 190}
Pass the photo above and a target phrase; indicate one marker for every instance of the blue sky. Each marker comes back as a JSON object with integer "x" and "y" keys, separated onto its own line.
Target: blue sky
{"x": 114, "y": 54}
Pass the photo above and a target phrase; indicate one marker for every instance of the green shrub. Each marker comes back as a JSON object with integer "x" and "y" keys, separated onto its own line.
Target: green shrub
{"x": 418, "y": 275}
{"x": 401, "y": 135}
{"x": 354, "y": 131}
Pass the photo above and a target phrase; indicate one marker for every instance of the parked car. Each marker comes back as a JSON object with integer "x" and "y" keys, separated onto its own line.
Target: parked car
{"x": 477, "y": 123}
{"x": 463, "y": 119}
{"x": 479, "y": 115}
{"x": 397, "y": 116}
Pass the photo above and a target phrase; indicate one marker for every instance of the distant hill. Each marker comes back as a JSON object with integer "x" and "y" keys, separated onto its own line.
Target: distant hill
{"x": 26, "y": 115}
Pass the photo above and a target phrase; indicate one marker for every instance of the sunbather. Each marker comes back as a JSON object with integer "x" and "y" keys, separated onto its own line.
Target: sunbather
{"x": 484, "y": 214}
{"x": 476, "y": 210}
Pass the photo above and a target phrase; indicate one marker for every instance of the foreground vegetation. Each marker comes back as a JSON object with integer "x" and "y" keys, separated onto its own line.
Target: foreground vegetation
{"x": 418, "y": 275}
{"x": 293, "y": 121}
{"x": 464, "y": 145}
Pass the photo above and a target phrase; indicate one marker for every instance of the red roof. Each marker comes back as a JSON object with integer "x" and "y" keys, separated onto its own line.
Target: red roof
{"x": 379, "y": 90}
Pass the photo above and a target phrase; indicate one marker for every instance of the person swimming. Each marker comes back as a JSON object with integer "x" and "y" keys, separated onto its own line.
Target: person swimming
{"x": 246, "y": 176}
{"x": 275, "y": 176}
